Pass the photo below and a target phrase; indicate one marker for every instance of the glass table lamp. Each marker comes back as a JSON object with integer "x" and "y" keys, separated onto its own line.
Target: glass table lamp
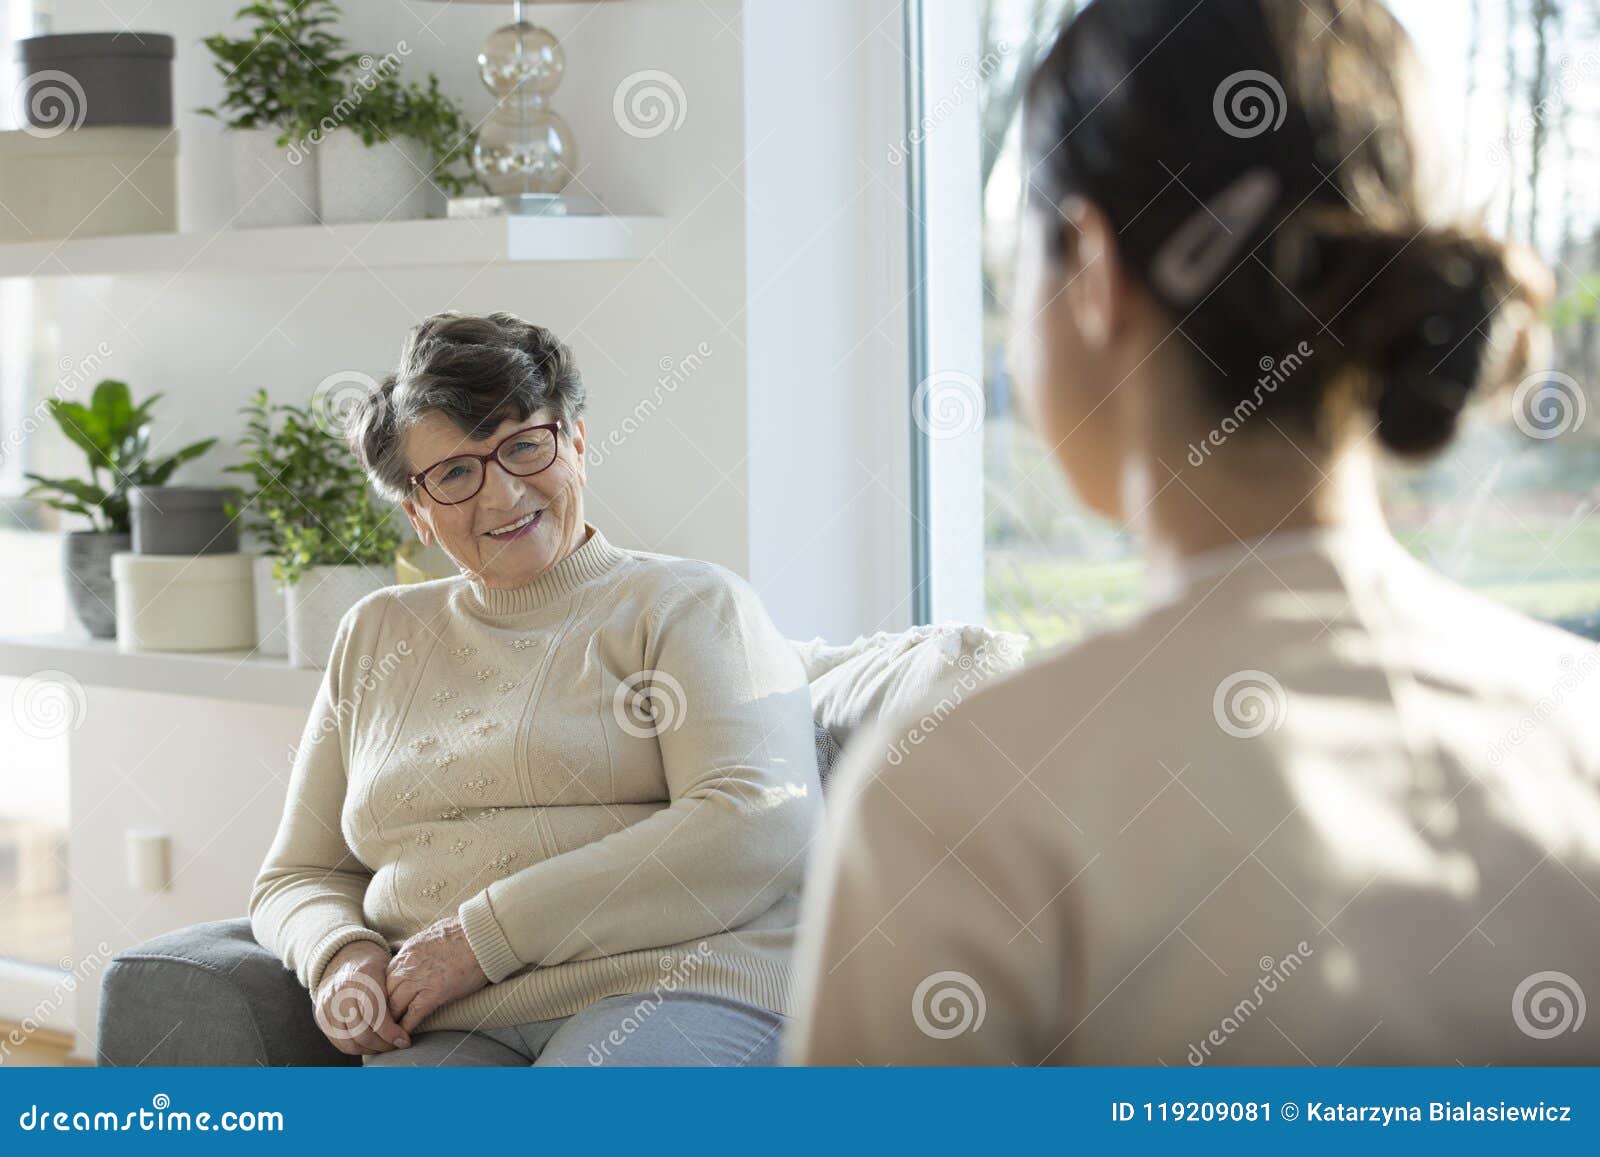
{"x": 526, "y": 153}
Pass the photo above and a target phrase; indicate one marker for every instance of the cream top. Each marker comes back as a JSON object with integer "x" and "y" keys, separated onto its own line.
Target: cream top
{"x": 1316, "y": 805}
{"x": 609, "y": 772}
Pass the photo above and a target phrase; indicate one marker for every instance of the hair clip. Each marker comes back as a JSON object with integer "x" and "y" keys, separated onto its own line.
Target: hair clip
{"x": 1188, "y": 263}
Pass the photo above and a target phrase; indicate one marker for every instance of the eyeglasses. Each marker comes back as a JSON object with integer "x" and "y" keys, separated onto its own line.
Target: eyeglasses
{"x": 521, "y": 452}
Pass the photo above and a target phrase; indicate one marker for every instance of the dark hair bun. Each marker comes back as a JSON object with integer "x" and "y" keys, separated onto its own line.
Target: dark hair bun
{"x": 1403, "y": 317}
{"x": 1426, "y": 315}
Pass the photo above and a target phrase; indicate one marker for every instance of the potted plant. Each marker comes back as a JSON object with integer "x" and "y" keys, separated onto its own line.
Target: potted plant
{"x": 277, "y": 80}
{"x": 115, "y": 435}
{"x": 399, "y": 142}
{"x": 332, "y": 540}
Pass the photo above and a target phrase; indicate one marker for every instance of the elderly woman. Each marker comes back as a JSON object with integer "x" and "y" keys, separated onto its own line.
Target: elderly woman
{"x": 552, "y": 810}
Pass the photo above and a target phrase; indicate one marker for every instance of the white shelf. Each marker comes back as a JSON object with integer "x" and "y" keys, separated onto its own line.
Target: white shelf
{"x": 233, "y": 675}
{"x": 384, "y": 245}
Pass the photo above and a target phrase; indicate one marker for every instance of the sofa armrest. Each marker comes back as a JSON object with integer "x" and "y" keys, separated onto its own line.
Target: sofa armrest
{"x": 207, "y": 994}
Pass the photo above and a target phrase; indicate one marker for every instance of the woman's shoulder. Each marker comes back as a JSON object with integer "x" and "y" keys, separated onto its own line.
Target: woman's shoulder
{"x": 669, "y": 579}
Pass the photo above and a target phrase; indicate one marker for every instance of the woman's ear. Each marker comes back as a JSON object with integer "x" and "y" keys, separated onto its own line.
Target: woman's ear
{"x": 418, "y": 522}
{"x": 1094, "y": 283}
{"x": 577, "y": 449}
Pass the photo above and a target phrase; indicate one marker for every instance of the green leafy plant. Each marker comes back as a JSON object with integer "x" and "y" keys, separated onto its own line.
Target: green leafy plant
{"x": 285, "y": 72}
{"x": 115, "y": 434}
{"x": 382, "y": 107}
{"x": 309, "y": 502}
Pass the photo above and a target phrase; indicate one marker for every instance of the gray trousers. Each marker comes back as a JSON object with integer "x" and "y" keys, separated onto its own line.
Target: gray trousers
{"x": 674, "y": 1029}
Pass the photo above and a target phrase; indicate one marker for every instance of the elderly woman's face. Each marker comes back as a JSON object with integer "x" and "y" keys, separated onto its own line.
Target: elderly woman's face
{"x": 466, "y": 530}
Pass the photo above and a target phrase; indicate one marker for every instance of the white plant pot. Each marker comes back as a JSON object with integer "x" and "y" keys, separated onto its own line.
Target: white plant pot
{"x": 272, "y": 610}
{"x": 386, "y": 181}
{"x": 272, "y": 185}
{"x": 319, "y": 600}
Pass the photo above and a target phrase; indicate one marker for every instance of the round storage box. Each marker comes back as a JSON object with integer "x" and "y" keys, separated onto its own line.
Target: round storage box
{"x": 184, "y": 602}
{"x": 78, "y": 79}
{"x": 183, "y": 520}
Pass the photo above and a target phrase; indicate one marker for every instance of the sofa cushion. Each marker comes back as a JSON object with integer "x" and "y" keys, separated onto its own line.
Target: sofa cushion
{"x": 207, "y": 994}
{"x": 891, "y": 673}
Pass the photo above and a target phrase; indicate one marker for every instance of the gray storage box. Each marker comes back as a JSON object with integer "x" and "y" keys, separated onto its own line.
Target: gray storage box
{"x": 183, "y": 520}
{"x": 116, "y": 78}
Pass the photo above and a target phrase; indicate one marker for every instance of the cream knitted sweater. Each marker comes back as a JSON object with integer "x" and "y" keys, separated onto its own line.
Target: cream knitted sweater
{"x": 609, "y": 772}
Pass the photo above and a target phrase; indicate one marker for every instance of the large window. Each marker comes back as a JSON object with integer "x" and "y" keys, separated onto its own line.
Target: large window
{"x": 1508, "y": 511}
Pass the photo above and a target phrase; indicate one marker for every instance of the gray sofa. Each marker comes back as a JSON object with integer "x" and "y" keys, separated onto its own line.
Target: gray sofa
{"x": 208, "y": 994}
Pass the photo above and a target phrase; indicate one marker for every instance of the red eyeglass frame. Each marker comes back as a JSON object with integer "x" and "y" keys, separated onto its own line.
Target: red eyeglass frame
{"x": 415, "y": 480}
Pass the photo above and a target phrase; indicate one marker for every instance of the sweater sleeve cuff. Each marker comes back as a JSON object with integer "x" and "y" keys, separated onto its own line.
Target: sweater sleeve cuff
{"x": 487, "y": 939}
{"x": 329, "y": 946}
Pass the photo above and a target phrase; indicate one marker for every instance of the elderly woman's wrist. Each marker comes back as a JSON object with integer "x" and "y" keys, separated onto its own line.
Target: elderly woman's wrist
{"x": 487, "y": 938}
{"x": 333, "y": 945}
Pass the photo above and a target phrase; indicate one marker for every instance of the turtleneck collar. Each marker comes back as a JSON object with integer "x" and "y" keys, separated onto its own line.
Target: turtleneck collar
{"x": 593, "y": 559}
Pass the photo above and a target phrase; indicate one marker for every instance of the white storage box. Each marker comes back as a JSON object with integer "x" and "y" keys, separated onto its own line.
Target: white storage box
{"x": 178, "y": 602}
{"x": 88, "y": 182}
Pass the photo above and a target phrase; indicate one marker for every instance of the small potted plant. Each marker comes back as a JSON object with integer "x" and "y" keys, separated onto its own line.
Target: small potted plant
{"x": 332, "y": 541}
{"x": 277, "y": 81}
{"x": 402, "y": 148}
{"x": 115, "y": 435}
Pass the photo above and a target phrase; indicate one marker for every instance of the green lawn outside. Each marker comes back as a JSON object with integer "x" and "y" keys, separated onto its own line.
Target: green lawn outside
{"x": 1545, "y": 567}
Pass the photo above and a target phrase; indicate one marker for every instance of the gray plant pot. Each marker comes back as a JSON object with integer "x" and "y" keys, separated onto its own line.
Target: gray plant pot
{"x": 86, "y": 565}
{"x": 125, "y": 78}
{"x": 183, "y": 519}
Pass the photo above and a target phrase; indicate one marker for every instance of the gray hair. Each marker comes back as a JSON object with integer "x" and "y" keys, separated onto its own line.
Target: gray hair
{"x": 477, "y": 371}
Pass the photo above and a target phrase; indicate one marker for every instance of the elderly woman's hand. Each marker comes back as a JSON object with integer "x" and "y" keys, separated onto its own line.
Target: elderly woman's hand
{"x": 434, "y": 967}
{"x": 350, "y": 1006}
